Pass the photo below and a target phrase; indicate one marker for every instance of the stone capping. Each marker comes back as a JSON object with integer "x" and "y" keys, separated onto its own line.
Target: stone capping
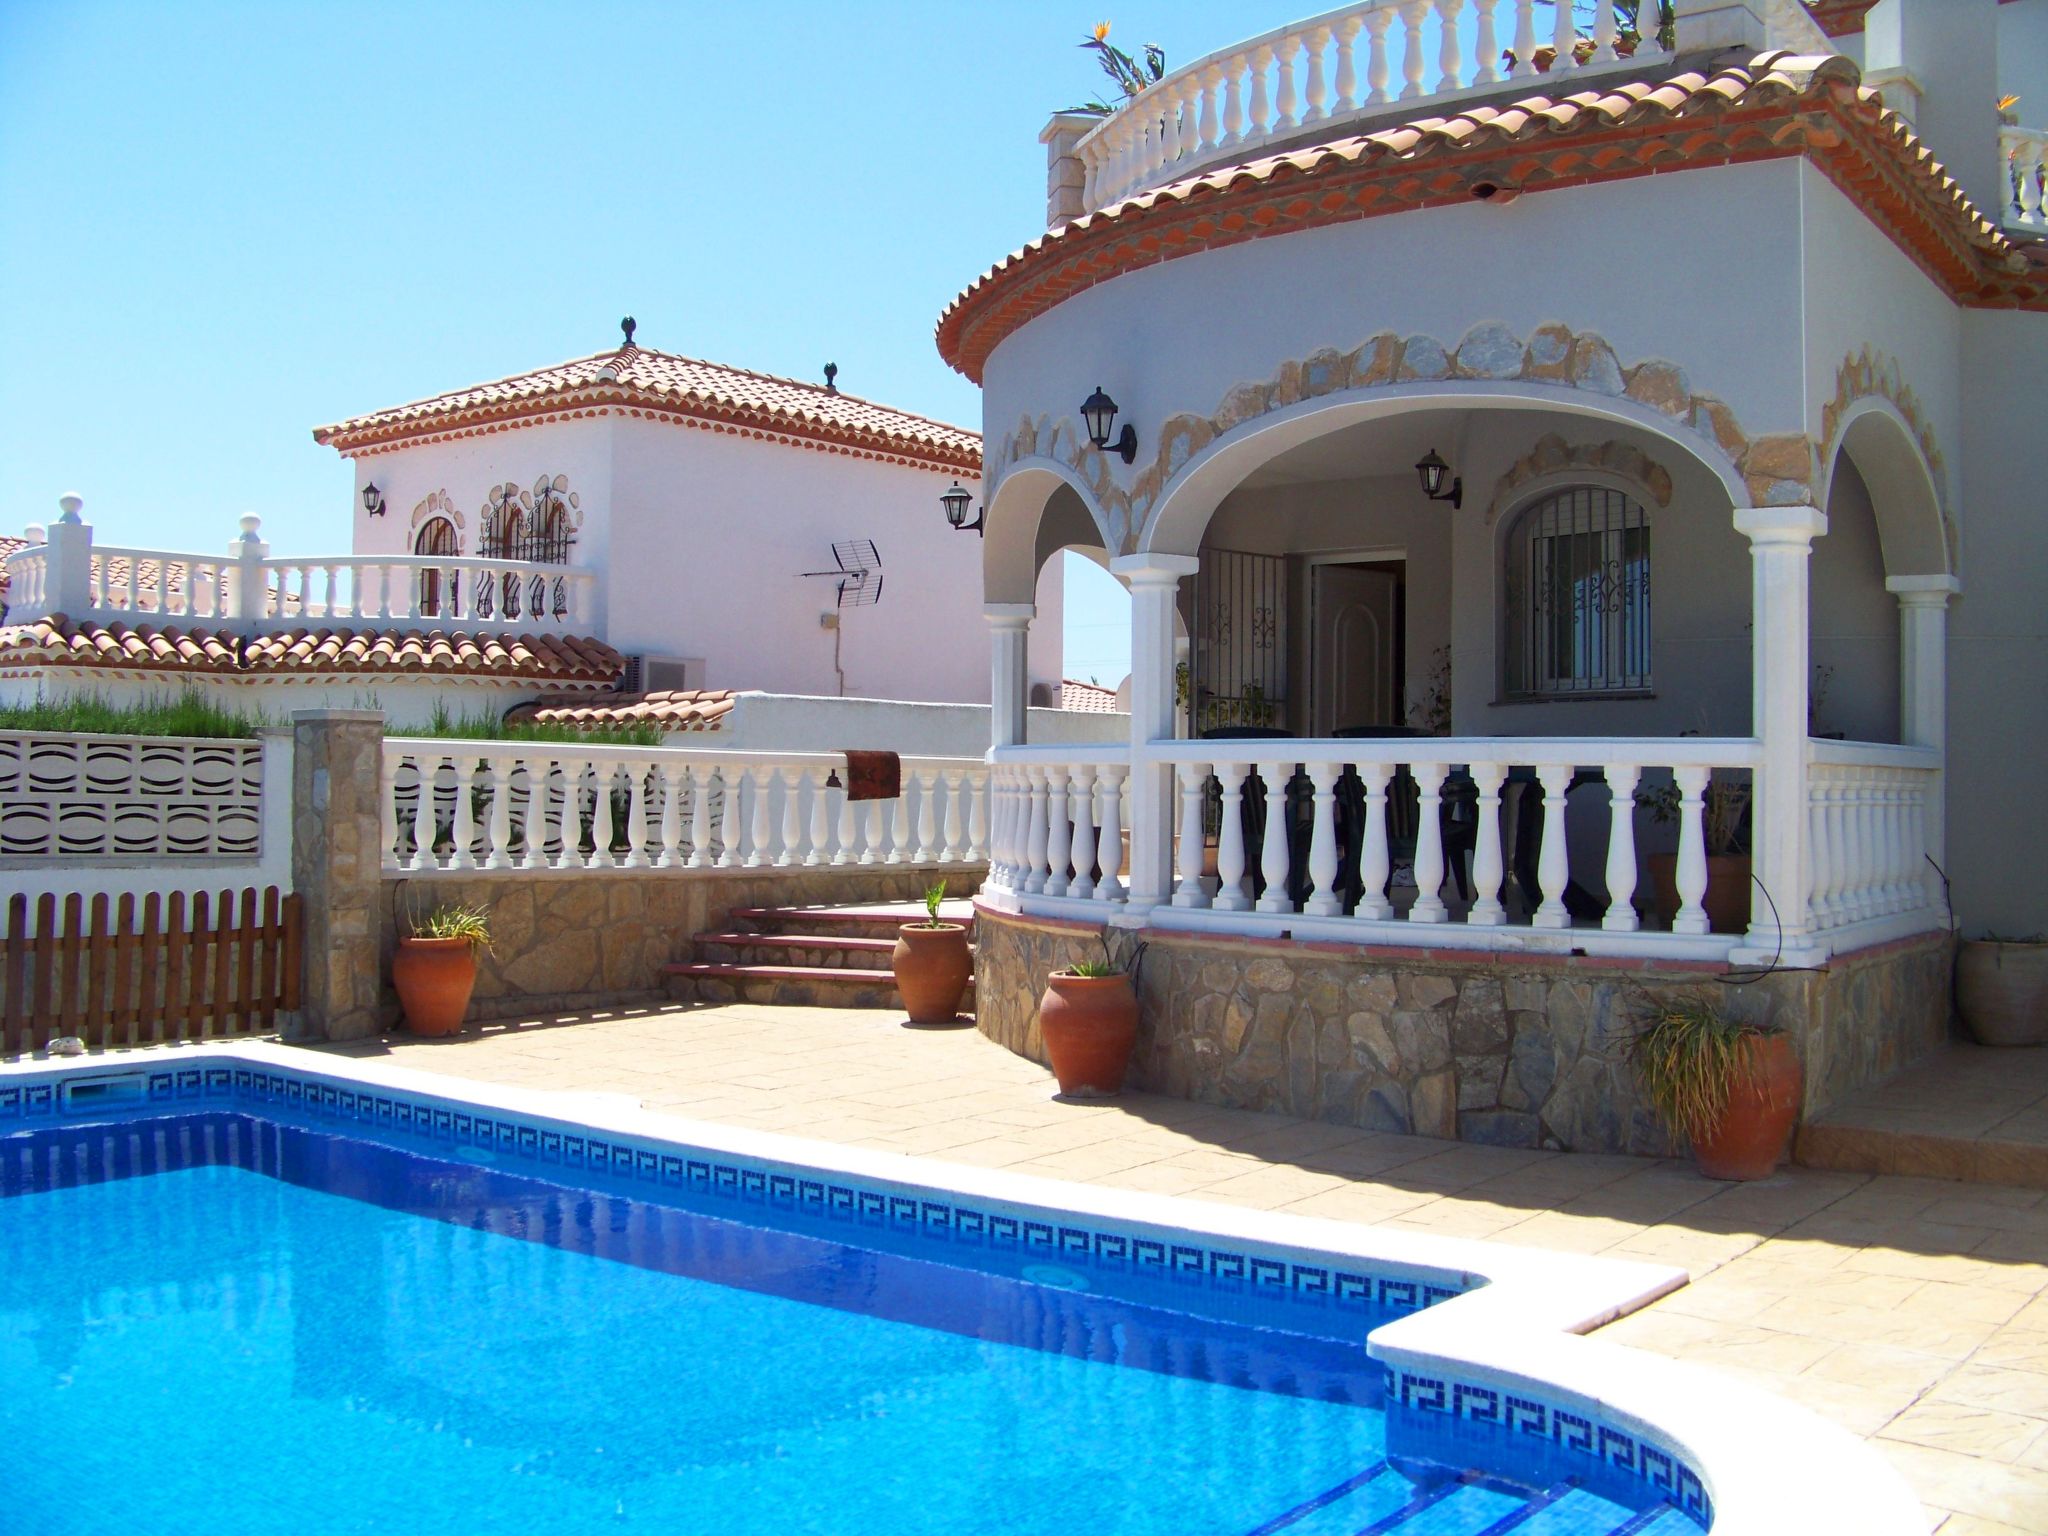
{"x": 1776, "y": 469}
{"x": 1516, "y": 1330}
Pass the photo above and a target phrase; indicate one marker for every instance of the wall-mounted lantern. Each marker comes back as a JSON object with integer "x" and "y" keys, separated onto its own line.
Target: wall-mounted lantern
{"x": 1099, "y": 412}
{"x": 1431, "y": 469}
{"x": 373, "y": 499}
{"x": 956, "y": 502}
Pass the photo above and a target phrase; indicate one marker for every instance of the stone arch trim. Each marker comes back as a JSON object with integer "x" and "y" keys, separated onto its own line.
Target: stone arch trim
{"x": 1777, "y": 469}
{"x": 1009, "y": 556}
{"x": 1554, "y": 459}
{"x": 1868, "y": 375}
{"x": 524, "y": 498}
{"x": 438, "y": 504}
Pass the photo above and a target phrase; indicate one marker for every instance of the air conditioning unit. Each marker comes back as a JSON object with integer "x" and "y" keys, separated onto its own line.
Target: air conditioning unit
{"x": 663, "y": 674}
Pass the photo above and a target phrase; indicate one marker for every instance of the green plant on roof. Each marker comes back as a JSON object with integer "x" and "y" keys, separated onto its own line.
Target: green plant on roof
{"x": 1130, "y": 76}
{"x": 187, "y": 712}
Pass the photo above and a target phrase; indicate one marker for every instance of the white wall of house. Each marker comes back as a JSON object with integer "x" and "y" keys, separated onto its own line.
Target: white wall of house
{"x": 699, "y": 536}
{"x": 786, "y": 723}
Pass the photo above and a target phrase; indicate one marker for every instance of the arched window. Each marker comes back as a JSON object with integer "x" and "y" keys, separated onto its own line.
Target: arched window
{"x": 528, "y": 525}
{"x": 438, "y": 589}
{"x": 1578, "y": 596}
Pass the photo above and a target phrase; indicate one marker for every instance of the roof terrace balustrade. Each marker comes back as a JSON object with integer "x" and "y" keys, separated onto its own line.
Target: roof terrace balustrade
{"x": 2025, "y": 151}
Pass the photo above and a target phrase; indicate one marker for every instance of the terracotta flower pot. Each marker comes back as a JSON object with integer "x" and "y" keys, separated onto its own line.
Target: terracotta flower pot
{"x": 932, "y": 965}
{"x": 1750, "y": 1137}
{"x": 1090, "y": 1024}
{"x": 434, "y": 978}
{"x": 1727, "y": 898}
{"x": 2002, "y": 991}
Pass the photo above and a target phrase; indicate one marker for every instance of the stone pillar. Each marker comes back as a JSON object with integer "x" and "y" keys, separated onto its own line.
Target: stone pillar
{"x": 1781, "y": 550}
{"x": 1009, "y": 671}
{"x": 337, "y": 868}
{"x": 248, "y": 592}
{"x": 1153, "y": 580}
{"x": 1923, "y": 680}
{"x": 1066, "y": 178}
{"x": 67, "y": 577}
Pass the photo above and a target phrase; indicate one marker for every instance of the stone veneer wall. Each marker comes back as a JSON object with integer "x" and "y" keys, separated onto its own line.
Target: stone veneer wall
{"x": 572, "y": 940}
{"x": 1510, "y": 1050}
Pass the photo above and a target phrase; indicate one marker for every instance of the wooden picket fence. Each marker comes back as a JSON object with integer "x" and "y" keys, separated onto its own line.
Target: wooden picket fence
{"x": 180, "y": 969}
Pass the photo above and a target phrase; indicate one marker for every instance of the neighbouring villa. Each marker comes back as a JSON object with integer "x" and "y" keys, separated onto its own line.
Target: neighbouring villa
{"x": 538, "y": 1022}
{"x": 1547, "y": 503}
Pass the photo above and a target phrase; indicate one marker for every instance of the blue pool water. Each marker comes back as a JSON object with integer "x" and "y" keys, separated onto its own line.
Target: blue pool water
{"x": 278, "y": 1329}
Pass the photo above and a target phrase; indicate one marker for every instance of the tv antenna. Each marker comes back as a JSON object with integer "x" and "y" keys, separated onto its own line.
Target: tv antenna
{"x": 859, "y": 573}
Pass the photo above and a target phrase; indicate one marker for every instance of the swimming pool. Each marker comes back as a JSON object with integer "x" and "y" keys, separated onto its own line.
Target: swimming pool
{"x": 272, "y": 1299}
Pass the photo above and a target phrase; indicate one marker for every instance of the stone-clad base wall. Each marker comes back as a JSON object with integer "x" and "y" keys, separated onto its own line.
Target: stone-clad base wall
{"x": 1503, "y": 1049}
{"x": 562, "y": 942}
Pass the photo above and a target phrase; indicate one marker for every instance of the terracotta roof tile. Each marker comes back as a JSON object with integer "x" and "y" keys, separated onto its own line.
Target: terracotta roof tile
{"x": 1710, "y": 92}
{"x": 686, "y": 709}
{"x": 1088, "y": 698}
{"x": 557, "y": 659}
{"x": 663, "y": 384}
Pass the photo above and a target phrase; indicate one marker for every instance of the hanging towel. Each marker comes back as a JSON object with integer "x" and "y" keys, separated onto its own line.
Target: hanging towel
{"x": 873, "y": 776}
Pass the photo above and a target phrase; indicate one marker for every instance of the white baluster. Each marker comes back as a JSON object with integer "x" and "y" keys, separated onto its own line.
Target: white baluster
{"x": 1110, "y": 846}
{"x": 977, "y": 792}
{"x": 928, "y": 849}
{"x": 1525, "y": 39}
{"x": 875, "y": 844}
{"x": 1082, "y": 847}
{"x": 1450, "y": 60}
{"x": 1604, "y": 31}
{"x": 1855, "y": 849}
{"x": 387, "y": 817}
{"x": 1273, "y": 851}
{"x": 1692, "y": 851}
{"x": 1488, "y": 865}
{"x": 1286, "y": 104}
{"x": 1188, "y": 853}
{"x": 1233, "y": 108}
{"x": 671, "y": 831}
{"x": 1903, "y": 876}
{"x": 1486, "y": 45}
{"x": 1205, "y": 120}
{"x": 1822, "y": 856}
{"x": 1324, "y": 899}
{"x": 1347, "y": 65}
{"x": 900, "y": 846}
{"x": 1411, "y": 47}
{"x": 636, "y": 816}
{"x": 328, "y": 602}
{"x": 498, "y": 845}
{"x": 423, "y": 821}
{"x": 1839, "y": 857}
{"x": 1375, "y": 856}
{"x": 1006, "y": 838}
{"x": 1059, "y": 835}
{"x": 1552, "y": 866}
{"x": 848, "y": 850}
{"x": 1169, "y": 95}
{"x": 1233, "y": 892}
{"x": 792, "y": 850}
{"x": 1313, "y": 91}
{"x": 760, "y": 845}
{"x": 700, "y": 815}
{"x": 1920, "y": 883}
{"x": 463, "y": 854}
{"x": 1429, "y": 845}
{"x": 1034, "y": 820}
{"x": 1261, "y": 118}
{"x": 568, "y": 818}
{"x": 602, "y": 778}
{"x": 818, "y": 851}
{"x": 1564, "y": 36}
{"x": 732, "y": 790}
{"x": 955, "y": 850}
{"x": 1621, "y": 848}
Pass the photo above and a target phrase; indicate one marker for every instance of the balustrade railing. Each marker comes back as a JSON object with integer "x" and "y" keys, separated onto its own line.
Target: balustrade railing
{"x": 2026, "y": 160}
{"x": 1869, "y": 810}
{"x": 503, "y": 805}
{"x": 1346, "y": 63}
{"x": 1057, "y": 823}
{"x": 443, "y": 589}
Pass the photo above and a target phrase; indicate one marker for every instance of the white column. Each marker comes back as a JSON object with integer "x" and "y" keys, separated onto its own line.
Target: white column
{"x": 251, "y": 596}
{"x": 1009, "y": 676}
{"x": 1781, "y": 550}
{"x": 67, "y": 572}
{"x": 1153, "y": 580}
{"x": 1923, "y": 683}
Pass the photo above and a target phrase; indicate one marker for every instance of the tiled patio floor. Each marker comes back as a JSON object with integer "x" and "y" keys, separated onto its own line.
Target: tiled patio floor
{"x": 1914, "y": 1311}
{"x": 1968, "y": 1111}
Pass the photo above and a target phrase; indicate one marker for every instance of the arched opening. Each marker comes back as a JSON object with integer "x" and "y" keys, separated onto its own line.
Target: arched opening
{"x": 439, "y": 592}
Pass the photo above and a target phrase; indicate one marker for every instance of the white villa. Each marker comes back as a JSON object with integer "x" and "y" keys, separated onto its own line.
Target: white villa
{"x": 632, "y": 536}
{"x": 1564, "y": 486}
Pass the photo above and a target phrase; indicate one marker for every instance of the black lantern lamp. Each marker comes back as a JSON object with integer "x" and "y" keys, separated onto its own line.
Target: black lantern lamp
{"x": 1099, "y": 412}
{"x": 1432, "y": 469}
{"x": 373, "y": 499}
{"x": 956, "y": 502}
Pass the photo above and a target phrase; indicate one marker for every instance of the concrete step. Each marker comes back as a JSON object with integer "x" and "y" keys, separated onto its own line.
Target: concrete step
{"x": 833, "y": 951}
{"x": 811, "y": 986}
{"x": 871, "y": 919}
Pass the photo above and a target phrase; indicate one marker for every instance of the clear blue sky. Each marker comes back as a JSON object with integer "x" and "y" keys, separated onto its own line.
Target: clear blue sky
{"x": 226, "y": 224}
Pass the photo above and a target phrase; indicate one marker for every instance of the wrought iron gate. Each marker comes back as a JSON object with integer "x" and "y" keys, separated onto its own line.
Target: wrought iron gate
{"x": 1237, "y": 673}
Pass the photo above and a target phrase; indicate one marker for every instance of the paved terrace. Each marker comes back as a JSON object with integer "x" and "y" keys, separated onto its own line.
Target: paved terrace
{"x": 1912, "y": 1310}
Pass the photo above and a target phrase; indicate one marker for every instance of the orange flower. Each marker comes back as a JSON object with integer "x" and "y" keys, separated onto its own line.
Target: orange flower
{"x": 1101, "y": 30}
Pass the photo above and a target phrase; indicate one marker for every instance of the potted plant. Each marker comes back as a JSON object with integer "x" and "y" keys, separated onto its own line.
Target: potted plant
{"x": 1729, "y": 1086}
{"x": 1088, "y": 1018}
{"x": 932, "y": 964}
{"x": 2002, "y": 989}
{"x": 1725, "y": 826}
{"x": 435, "y": 967}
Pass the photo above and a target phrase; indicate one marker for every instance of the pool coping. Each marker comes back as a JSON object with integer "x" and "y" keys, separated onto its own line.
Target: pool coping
{"x": 1507, "y": 1349}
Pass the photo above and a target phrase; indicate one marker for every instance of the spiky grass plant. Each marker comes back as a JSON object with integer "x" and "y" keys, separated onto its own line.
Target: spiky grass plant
{"x": 933, "y": 896}
{"x": 454, "y": 921}
{"x": 484, "y": 725}
{"x": 1691, "y": 1059}
{"x": 187, "y": 712}
{"x": 1095, "y": 970}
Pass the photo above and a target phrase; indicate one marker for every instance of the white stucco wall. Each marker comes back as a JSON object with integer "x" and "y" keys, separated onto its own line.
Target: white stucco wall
{"x": 698, "y": 536}
{"x": 786, "y": 723}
